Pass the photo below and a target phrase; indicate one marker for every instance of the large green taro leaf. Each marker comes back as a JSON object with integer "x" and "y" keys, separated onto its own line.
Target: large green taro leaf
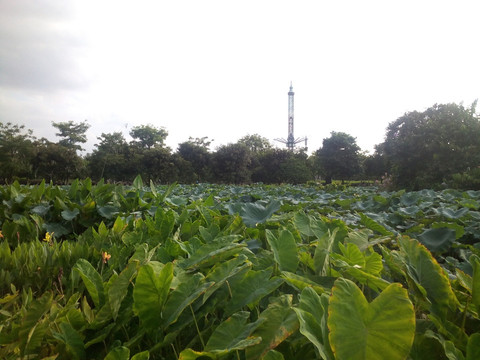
{"x": 150, "y": 293}
{"x": 383, "y": 329}
{"x": 251, "y": 288}
{"x": 73, "y": 341}
{"x": 473, "y": 347}
{"x": 232, "y": 334}
{"x": 438, "y": 239}
{"x": 118, "y": 353}
{"x": 255, "y": 213}
{"x": 475, "y": 261}
{"x": 92, "y": 280}
{"x": 188, "y": 289}
{"x": 280, "y": 321}
{"x": 312, "y": 315}
{"x": 118, "y": 287}
{"x": 284, "y": 250}
{"x": 429, "y": 277}
{"x": 451, "y": 213}
{"x": 214, "y": 252}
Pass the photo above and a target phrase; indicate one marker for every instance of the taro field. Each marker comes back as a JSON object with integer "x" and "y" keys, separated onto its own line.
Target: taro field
{"x": 103, "y": 271}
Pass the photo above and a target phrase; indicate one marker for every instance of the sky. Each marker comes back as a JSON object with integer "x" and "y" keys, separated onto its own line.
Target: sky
{"x": 222, "y": 68}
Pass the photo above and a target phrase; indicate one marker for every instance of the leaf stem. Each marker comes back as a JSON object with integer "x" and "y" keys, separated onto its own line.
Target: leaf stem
{"x": 196, "y": 325}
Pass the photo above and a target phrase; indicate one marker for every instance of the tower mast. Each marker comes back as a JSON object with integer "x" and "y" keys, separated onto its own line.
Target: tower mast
{"x": 291, "y": 141}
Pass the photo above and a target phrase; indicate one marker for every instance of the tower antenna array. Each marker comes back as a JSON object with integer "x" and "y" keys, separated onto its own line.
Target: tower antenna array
{"x": 291, "y": 141}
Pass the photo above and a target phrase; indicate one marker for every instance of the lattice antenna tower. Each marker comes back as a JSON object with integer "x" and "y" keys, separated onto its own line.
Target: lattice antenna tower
{"x": 291, "y": 141}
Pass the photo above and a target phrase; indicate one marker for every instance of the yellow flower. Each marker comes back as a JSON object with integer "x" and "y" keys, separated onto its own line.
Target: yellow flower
{"x": 1, "y": 235}
{"x": 105, "y": 257}
{"x": 48, "y": 237}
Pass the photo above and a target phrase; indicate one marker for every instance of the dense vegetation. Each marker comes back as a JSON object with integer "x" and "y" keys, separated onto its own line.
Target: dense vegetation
{"x": 238, "y": 272}
{"x": 436, "y": 148}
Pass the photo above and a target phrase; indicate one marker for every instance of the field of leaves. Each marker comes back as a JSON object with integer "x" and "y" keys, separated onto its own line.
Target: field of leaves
{"x": 229, "y": 272}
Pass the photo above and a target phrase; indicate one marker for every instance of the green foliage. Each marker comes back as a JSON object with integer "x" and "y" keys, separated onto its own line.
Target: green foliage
{"x": 148, "y": 136}
{"x": 339, "y": 157}
{"x": 385, "y": 328}
{"x": 72, "y": 133}
{"x": 424, "y": 149}
{"x": 228, "y": 272}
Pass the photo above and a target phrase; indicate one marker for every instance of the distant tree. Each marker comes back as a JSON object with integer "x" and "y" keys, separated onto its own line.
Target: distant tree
{"x": 423, "y": 149}
{"x": 198, "y": 160}
{"x": 148, "y": 136}
{"x": 276, "y": 166}
{"x": 158, "y": 164}
{"x": 339, "y": 157}
{"x": 255, "y": 143}
{"x": 295, "y": 170}
{"x": 57, "y": 163}
{"x": 110, "y": 160}
{"x": 203, "y": 142}
{"x": 374, "y": 165}
{"x": 17, "y": 149}
{"x": 72, "y": 134}
{"x": 231, "y": 164}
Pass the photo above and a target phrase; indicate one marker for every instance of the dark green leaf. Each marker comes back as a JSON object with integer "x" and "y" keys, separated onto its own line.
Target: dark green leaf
{"x": 438, "y": 239}
{"x": 150, "y": 293}
{"x": 279, "y": 322}
{"x": 92, "y": 280}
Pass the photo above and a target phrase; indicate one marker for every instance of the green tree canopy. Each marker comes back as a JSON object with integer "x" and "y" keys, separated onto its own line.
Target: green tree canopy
{"x": 16, "y": 150}
{"x": 148, "y": 136}
{"x": 231, "y": 164}
{"x": 255, "y": 143}
{"x": 423, "y": 149}
{"x": 276, "y": 166}
{"x": 57, "y": 163}
{"x": 198, "y": 159}
{"x": 111, "y": 158}
{"x": 339, "y": 157}
{"x": 72, "y": 133}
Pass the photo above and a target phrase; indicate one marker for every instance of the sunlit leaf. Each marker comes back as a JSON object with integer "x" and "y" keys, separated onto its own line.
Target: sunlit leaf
{"x": 359, "y": 330}
{"x": 312, "y": 314}
{"x": 118, "y": 353}
{"x": 284, "y": 250}
{"x": 425, "y": 271}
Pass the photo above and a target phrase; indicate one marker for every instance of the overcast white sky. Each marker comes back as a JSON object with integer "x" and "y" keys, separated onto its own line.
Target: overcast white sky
{"x": 222, "y": 68}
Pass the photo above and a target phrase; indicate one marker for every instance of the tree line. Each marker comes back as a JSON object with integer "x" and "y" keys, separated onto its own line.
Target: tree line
{"x": 437, "y": 147}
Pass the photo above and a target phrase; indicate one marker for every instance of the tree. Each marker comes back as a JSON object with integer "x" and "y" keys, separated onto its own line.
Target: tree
{"x": 231, "y": 164}
{"x": 423, "y": 149}
{"x": 17, "y": 150}
{"x": 111, "y": 158}
{"x": 339, "y": 157}
{"x": 276, "y": 166}
{"x": 198, "y": 160}
{"x": 56, "y": 162}
{"x": 255, "y": 143}
{"x": 148, "y": 136}
{"x": 72, "y": 133}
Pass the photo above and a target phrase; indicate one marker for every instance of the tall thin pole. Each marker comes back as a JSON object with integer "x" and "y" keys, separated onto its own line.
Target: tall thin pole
{"x": 291, "y": 138}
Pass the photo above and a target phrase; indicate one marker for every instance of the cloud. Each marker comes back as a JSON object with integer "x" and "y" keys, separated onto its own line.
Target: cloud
{"x": 39, "y": 48}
